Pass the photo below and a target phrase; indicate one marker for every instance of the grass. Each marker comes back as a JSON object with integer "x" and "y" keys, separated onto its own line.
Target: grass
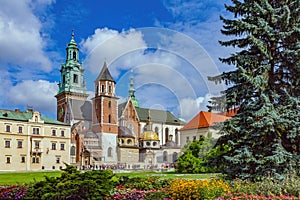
{"x": 21, "y": 178}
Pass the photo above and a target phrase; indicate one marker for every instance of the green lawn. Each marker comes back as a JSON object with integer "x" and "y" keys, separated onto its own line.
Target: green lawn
{"x": 17, "y": 178}
{"x": 20, "y": 178}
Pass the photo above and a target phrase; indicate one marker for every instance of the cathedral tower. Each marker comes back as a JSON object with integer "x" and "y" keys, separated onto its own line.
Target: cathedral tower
{"x": 72, "y": 85}
{"x": 105, "y": 114}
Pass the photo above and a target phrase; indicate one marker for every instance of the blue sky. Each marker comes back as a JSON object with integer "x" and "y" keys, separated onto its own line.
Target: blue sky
{"x": 169, "y": 46}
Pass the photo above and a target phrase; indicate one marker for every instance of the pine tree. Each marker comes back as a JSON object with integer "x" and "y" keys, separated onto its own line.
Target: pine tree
{"x": 264, "y": 135}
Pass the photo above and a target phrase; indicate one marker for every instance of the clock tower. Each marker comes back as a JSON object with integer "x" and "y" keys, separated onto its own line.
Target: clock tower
{"x": 71, "y": 85}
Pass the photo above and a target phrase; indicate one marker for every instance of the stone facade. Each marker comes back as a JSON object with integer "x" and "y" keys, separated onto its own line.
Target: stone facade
{"x": 31, "y": 142}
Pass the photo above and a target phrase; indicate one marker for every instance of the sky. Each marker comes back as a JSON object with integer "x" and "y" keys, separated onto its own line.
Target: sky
{"x": 169, "y": 47}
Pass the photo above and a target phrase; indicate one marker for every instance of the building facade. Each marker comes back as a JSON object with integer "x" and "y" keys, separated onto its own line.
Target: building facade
{"x": 32, "y": 142}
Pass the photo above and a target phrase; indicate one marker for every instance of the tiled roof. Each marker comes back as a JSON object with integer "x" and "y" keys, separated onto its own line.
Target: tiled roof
{"x": 204, "y": 119}
{"x": 161, "y": 116}
{"x": 105, "y": 74}
{"x": 25, "y": 116}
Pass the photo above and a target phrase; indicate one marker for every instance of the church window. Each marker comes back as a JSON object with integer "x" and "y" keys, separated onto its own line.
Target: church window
{"x": 109, "y": 152}
{"x": 166, "y": 134}
{"x": 109, "y": 88}
{"x": 102, "y": 88}
{"x": 129, "y": 141}
{"x": 64, "y": 79}
{"x": 109, "y": 104}
{"x": 109, "y": 118}
{"x": 75, "y": 78}
{"x": 74, "y": 55}
{"x": 165, "y": 156}
{"x": 36, "y": 118}
{"x": 154, "y": 144}
{"x": 148, "y": 144}
{"x": 72, "y": 151}
{"x": 156, "y": 129}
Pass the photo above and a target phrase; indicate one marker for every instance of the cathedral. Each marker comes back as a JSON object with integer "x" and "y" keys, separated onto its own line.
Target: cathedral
{"x": 104, "y": 131}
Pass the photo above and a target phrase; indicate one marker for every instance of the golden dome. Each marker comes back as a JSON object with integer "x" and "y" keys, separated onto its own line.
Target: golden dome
{"x": 149, "y": 135}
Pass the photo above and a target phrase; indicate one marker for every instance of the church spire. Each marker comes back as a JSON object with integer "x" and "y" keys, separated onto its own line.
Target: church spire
{"x": 131, "y": 92}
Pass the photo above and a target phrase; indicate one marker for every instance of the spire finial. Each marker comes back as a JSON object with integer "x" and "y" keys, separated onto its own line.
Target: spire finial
{"x": 73, "y": 33}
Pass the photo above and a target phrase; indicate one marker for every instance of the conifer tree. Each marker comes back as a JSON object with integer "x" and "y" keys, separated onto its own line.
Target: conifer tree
{"x": 264, "y": 135}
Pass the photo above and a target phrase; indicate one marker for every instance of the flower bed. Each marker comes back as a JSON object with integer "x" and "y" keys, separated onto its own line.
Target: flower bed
{"x": 12, "y": 192}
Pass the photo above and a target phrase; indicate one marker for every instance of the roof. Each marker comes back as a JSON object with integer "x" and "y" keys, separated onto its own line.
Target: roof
{"x": 105, "y": 74}
{"x": 161, "y": 116}
{"x": 124, "y": 132}
{"x": 204, "y": 119}
{"x": 80, "y": 109}
{"x": 17, "y": 115}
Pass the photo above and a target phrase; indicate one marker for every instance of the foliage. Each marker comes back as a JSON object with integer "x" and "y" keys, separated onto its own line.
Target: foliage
{"x": 269, "y": 186}
{"x": 197, "y": 189}
{"x": 264, "y": 134}
{"x": 73, "y": 184}
{"x": 193, "y": 158}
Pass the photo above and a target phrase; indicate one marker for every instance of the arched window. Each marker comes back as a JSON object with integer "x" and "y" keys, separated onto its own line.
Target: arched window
{"x": 156, "y": 129}
{"x": 109, "y": 152}
{"x": 175, "y": 156}
{"x": 72, "y": 151}
{"x": 74, "y": 55}
{"x": 176, "y": 136}
{"x": 166, "y": 134}
{"x": 109, "y": 118}
{"x": 109, "y": 104}
{"x": 165, "y": 156}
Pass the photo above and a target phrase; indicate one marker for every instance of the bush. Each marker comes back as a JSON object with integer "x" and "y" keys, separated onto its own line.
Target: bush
{"x": 74, "y": 185}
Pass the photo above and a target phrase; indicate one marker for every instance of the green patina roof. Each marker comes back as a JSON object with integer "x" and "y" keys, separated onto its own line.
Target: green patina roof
{"x": 161, "y": 116}
{"x": 25, "y": 116}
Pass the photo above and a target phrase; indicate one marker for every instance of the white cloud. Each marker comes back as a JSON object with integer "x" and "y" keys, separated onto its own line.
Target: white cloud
{"x": 38, "y": 94}
{"x": 109, "y": 45}
{"x": 191, "y": 106}
{"x": 21, "y": 43}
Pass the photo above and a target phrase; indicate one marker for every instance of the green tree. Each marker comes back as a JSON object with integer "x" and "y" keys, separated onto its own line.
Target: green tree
{"x": 264, "y": 134}
{"x": 193, "y": 158}
{"x": 73, "y": 184}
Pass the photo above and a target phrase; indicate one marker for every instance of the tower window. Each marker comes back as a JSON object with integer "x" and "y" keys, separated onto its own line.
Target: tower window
{"x": 109, "y": 88}
{"x": 74, "y": 55}
{"x": 7, "y": 128}
{"x": 109, "y": 118}
{"x": 64, "y": 79}
{"x": 109, "y": 104}
{"x": 75, "y": 78}
{"x": 109, "y": 152}
{"x": 102, "y": 88}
